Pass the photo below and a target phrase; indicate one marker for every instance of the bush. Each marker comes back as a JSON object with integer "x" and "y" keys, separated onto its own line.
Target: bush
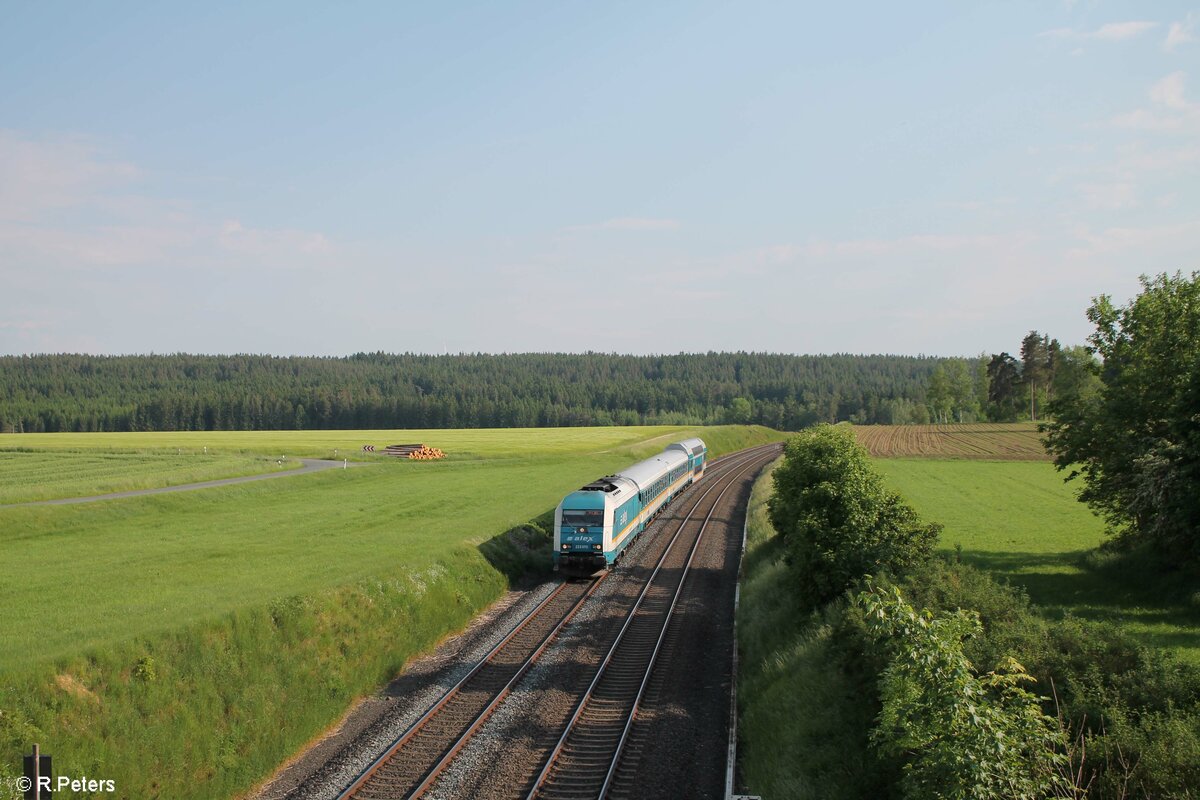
{"x": 963, "y": 736}
{"x": 837, "y": 520}
{"x": 1133, "y": 711}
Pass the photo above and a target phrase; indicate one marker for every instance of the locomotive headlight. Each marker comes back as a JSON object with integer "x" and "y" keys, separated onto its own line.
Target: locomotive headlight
{"x": 566, "y": 546}
{"x": 597, "y": 547}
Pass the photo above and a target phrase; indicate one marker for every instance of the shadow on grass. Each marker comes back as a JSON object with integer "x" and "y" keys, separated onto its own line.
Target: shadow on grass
{"x": 523, "y": 553}
{"x": 1130, "y": 589}
{"x": 766, "y": 553}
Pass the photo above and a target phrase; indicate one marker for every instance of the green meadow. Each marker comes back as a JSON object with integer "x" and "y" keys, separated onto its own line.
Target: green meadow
{"x": 1019, "y": 520}
{"x": 233, "y": 624}
{"x": 128, "y": 567}
{"x": 29, "y": 476}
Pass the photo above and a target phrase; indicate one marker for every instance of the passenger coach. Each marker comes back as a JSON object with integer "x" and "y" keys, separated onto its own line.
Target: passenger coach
{"x": 593, "y": 525}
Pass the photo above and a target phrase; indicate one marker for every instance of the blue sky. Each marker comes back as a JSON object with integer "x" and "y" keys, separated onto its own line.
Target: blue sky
{"x": 630, "y": 177}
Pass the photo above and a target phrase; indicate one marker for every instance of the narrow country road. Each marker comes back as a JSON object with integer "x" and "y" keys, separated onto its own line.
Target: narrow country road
{"x": 310, "y": 465}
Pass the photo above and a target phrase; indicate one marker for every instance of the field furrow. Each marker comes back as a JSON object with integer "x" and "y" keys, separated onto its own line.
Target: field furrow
{"x": 1017, "y": 441}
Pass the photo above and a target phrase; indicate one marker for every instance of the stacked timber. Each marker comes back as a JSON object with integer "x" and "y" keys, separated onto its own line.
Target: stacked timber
{"x": 417, "y": 452}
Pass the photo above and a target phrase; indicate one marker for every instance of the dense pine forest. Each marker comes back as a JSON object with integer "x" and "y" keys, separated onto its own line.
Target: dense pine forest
{"x": 379, "y": 390}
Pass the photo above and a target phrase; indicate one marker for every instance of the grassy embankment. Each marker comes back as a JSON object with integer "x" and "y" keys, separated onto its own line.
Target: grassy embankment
{"x": 184, "y": 644}
{"x": 787, "y": 675}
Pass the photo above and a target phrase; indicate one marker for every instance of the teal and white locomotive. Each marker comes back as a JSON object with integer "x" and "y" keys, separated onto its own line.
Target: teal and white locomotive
{"x": 593, "y": 525}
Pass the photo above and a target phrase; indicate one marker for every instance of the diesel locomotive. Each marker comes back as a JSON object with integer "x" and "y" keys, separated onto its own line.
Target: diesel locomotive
{"x": 592, "y": 526}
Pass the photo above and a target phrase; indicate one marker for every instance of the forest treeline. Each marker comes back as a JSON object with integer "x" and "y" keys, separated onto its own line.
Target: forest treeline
{"x": 48, "y": 393}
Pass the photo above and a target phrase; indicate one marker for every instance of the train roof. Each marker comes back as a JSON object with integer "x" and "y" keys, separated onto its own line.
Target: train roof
{"x": 646, "y": 472}
{"x": 695, "y": 446}
{"x": 610, "y": 485}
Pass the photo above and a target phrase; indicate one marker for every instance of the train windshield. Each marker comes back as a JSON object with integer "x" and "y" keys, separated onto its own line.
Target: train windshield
{"x": 578, "y": 519}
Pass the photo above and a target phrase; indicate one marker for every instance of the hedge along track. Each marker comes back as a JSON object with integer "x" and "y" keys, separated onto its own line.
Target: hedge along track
{"x": 585, "y": 760}
{"x": 413, "y": 761}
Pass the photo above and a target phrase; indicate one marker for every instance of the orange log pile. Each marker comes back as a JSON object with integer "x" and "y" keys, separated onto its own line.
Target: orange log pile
{"x": 417, "y": 452}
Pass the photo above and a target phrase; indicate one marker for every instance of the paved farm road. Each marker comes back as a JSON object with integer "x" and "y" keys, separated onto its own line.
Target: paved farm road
{"x": 310, "y": 465}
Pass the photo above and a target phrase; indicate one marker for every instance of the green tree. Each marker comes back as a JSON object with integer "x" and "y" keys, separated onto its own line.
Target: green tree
{"x": 1035, "y": 369}
{"x": 837, "y": 519}
{"x": 740, "y": 411}
{"x": 961, "y": 381}
{"x": 1076, "y": 375}
{"x": 1136, "y": 441}
{"x": 982, "y": 384}
{"x": 939, "y": 395}
{"x": 1004, "y": 380}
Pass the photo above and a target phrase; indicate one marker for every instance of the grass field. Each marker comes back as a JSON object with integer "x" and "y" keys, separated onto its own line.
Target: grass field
{"x": 233, "y": 624}
{"x": 29, "y": 476}
{"x": 1021, "y": 522}
{"x": 466, "y": 443}
{"x": 131, "y": 567}
{"x": 1018, "y": 441}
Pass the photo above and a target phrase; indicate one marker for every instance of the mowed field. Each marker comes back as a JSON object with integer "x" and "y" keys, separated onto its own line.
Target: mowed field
{"x": 130, "y": 567}
{"x": 1019, "y": 441}
{"x": 49, "y": 466}
{"x": 32, "y": 476}
{"x": 1019, "y": 520}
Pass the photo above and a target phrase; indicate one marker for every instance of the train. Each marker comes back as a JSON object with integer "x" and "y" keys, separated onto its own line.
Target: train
{"x": 594, "y": 524}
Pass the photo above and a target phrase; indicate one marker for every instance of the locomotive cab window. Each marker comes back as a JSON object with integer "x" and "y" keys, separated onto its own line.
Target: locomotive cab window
{"x": 589, "y": 518}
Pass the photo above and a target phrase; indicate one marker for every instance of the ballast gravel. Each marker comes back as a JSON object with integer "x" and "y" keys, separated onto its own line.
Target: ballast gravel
{"x": 504, "y": 756}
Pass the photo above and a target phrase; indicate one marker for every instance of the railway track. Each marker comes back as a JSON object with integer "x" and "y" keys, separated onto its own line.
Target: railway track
{"x": 585, "y": 760}
{"x": 414, "y": 761}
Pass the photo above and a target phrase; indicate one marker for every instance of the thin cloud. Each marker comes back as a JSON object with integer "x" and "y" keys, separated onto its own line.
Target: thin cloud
{"x": 1180, "y": 33}
{"x": 1170, "y": 109}
{"x": 1170, "y": 92}
{"x": 1110, "y": 240}
{"x": 38, "y": 175}
{"x": 875, "y": 248}
{"x": 1109, "y": 196}
{"x": 1111, "y": 32}
{"x": 115, "y": 226}
{"x": 266, "y": 244}
{"x": 630, "y": 224}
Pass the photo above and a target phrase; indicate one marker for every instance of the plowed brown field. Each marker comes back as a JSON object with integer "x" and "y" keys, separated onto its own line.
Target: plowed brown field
{"x": 1017, "y": 441}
